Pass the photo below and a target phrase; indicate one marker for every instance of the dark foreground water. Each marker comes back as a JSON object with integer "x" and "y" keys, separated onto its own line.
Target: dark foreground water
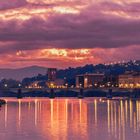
{"x": 70, "y": 119}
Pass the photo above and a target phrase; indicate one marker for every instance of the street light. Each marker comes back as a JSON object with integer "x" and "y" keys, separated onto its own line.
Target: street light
{"x": 95, "y": 84}
{"x": 52, "y": 85}
{"x": 5, "y": 85}
{"x": 72, "y": 86}
{"x": 19, "y": 85}
{"x": 66, "y": 85}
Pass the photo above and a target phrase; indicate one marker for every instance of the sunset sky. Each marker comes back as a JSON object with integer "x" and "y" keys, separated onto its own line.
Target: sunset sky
{"x": 63, "y": 33}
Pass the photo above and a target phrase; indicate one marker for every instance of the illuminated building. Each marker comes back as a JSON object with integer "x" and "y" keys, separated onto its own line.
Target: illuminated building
{"x": 89, "y": 80}
{"x": 35, "y": 84}
{"x": 79, "y": 80}
{"x": 51, "y": 74}
{"x": 58, "y": 83}
{"x": 111, "y": 81}
{"x": 129, "y": 80}
{"x": 53, "y": 82}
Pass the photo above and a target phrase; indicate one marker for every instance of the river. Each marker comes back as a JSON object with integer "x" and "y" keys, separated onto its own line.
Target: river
{"x": 70, "y": 119}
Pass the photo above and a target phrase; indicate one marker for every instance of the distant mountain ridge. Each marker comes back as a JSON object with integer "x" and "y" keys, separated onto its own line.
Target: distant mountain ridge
{"x": 21, "y": 73}
{"x": 70, "y": 73}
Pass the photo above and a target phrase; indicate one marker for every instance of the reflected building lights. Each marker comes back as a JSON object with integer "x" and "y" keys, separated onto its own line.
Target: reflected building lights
{"x": 6, "y": 113}
{"x": 36, "y": 111}
{"x": 131, "y": 111}
{"x": 72, "y": 111}
{"x": 29, "y": 106}
{"x": 51, "y": 102}
{"x": 80, "y": 106}
{"x": 135, "y": 124}
{"x": 59, "y": 117}
{"x": 119, "y": 123}
{"x": 66, "y": 107}
{"x": 118, "y": 114}
{"x": 126, "y": 111}
{"x": 57, "y": 109}
{"x": 115, "y": 120}
{"x": 138, "y": 115}
{"x": 111, "y": 118}
{"x": 19, "y": 113}
{"x": 95, "y": 108}
{"x": 108, "y": 115}
{"x": 122, "y": 120}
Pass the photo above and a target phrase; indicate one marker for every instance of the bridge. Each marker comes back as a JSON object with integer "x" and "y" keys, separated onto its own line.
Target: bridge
{"x": 47, "y": 90}
{"x": 79, "y": 92}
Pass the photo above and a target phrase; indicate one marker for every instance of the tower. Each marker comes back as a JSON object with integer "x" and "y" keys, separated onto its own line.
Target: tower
{"x": 51, "y": 74}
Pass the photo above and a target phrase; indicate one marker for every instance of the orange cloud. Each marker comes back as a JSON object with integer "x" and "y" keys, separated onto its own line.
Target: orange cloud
{"x": 68, "y": 32}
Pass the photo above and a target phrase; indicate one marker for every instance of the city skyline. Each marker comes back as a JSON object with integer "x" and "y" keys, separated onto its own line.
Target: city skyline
{"x": 70, "y": 69}
{"x": 63, "y": 33}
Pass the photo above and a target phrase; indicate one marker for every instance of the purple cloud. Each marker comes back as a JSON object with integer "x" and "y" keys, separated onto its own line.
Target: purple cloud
{"x": 36, "y": 25}
{"x": 9, "y": 4}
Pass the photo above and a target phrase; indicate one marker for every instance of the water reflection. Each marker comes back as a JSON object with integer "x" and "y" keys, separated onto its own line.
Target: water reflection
{"x": 56, "y": 119}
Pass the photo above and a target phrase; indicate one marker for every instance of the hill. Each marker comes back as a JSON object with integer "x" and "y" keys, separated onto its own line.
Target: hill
{"x": 21, "y": 73}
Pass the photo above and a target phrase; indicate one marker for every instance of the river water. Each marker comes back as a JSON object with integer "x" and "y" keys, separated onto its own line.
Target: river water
{"x": 70, "y": 119}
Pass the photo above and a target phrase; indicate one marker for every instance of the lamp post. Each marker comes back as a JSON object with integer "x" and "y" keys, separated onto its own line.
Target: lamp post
{"x": 5, "y": 85}
{"x": 66, "y": 85}
{"x": 19, "y": 85}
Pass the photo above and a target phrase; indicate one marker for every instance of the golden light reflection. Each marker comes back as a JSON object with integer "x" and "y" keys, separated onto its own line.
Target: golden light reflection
{"x": 131, "y": 115}
{"x": 51, "y": 102}
{"x": 138, "y": 115}
{"x": 115, "y": 120}
{"x": 122, "y": 120}
{"x": 80, "y": 104}
{"x": 95, "y": 109}
{"x": 108, "y": 115}
{"x": 57, "y": 118}
{"x": 126, "y": 110}
{"x": 6, "y": 114}
{"x": 19, "y": 113}
{"x": 36, "y": 111}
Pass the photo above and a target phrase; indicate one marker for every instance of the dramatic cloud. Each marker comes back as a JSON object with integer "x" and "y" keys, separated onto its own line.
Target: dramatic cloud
{"x": 8, "y": 4}
{"x": 50, "y": 32}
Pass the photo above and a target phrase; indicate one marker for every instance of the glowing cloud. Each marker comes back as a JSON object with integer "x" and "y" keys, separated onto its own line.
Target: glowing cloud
{"x": 68, "y": 32}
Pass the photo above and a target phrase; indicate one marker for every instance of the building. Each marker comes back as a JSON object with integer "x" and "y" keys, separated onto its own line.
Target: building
{"x": 111, "y": 81}
{"x": 80, "y": 81}
{"x": 129, "y": 80}
{"x": 53, "y": 81}
{"x": 89, "y": 80}
{"x": 51, "y": 74}
{"x": 58, "y": 83}
{"x": 35, "y": 84}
